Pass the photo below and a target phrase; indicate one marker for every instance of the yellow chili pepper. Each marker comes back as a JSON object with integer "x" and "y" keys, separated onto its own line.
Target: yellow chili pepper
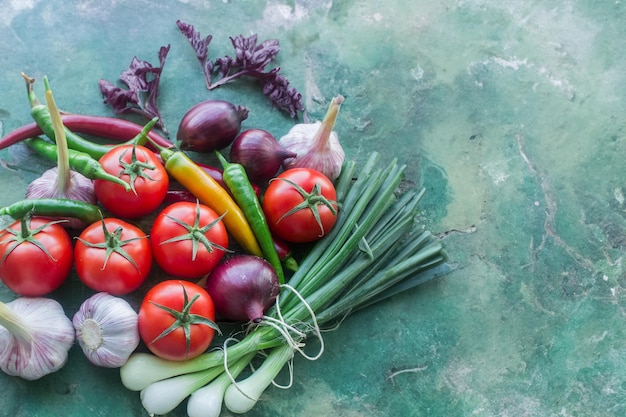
{"x": 211, "y": 193}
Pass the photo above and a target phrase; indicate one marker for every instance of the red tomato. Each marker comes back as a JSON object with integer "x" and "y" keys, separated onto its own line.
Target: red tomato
{"x": 171, "y": 303}
{"x": 139, "y": 167}
{"x": 188, "y": 239}
{"x": 25, "y": 267}
{"x": 117, "y": 261}
{"x": 300, "y": 205}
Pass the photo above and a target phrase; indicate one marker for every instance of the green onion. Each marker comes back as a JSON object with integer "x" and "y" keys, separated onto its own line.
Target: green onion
{"x": 242, "y": 396}
{"x": 376, "y": 249}
{"x": 207, "y": 401}
{"x": 163, "y": 396}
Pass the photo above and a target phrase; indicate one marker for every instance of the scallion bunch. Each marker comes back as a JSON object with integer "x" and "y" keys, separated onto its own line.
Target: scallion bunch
{"x": 376, "y": 249}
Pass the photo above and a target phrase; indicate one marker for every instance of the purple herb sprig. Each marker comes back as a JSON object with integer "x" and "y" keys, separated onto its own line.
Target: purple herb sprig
{"x": 201, "y": 46}
{"x": 142, "y": 80}
{"x": 250, "y": 60}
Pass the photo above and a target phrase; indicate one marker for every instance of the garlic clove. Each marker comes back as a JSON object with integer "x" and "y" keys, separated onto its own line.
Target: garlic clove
{"x": 106, "y": 330}
{"x": 35, "y": 337}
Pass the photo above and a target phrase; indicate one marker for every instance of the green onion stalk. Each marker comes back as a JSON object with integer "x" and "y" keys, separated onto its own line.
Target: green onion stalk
{"x": 376, "y": 249}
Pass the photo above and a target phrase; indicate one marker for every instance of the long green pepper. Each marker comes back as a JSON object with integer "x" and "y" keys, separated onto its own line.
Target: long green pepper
{"x": 237, "y": 181}
{"x": 79, "y": 161}
{"x": 53, "y": 207}
{"x": 41, "y": 115}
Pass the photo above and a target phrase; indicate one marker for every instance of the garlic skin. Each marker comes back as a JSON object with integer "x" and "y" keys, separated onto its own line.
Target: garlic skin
{"x": 46, "y": 186}
{"x": 35, "y": 337}
{"x": 106, "y": 330}
{"x": 316, "y": 145}
{"x": 78, "y": 188}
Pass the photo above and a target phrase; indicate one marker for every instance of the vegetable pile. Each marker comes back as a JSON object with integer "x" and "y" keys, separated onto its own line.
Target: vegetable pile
{"x": 280, "y": 241}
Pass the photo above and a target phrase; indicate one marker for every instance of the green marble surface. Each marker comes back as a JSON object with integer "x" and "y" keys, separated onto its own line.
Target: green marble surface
{"x": 511, "y": 113}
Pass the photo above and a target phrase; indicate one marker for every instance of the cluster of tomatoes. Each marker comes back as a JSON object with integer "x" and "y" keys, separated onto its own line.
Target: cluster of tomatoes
{"x": 114, "y": 255}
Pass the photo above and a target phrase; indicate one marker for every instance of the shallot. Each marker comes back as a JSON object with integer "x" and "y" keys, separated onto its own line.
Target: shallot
{"x": 259, "y": 152}
{"x": 210, "y": 125}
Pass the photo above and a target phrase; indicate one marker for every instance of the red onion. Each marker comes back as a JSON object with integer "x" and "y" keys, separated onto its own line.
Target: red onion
{"x": 243, "y": 287}
{"x": 260, "y": 154}
{"x": 210, "y": 125}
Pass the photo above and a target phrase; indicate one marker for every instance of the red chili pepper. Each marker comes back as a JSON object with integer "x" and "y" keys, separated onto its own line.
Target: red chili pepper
{"x": 104, "y": 127}
{"x": 101, "y": 126}
{"x": 110, "y": 128}
{"x": 285, "y": 255}
{"x": 176, "y": 196}
{"x": 20, "y": 134}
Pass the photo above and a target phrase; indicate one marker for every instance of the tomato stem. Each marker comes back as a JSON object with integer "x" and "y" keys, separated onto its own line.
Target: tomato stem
{"x": 113, "y": 243}
{"x": 26, "y": 234}
{"x": 310, "y": 201}
{"x": 197, "y": 234}
{"x": 135, "y": 168}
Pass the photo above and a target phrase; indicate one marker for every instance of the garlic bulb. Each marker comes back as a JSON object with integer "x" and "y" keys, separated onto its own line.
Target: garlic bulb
{"x": 61, "y": 181}
{"x": 106, "y": 330}
{"x": 47, "y": 186}
{"x": 316, "y": 145}
{"x": 35, "y": 337}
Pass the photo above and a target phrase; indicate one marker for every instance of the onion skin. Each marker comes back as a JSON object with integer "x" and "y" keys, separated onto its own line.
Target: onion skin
{"x": 210, "y": 125}
{"x": 243, "y": 287}
{"x": 259, "y": 152}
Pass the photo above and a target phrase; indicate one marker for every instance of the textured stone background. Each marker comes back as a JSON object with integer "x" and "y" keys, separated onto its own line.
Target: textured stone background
{"x": 510, "y": 113}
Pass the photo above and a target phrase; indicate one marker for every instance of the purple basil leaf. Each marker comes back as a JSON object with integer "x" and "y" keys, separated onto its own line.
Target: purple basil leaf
{"x": 276, "y": 88}
{"x": 200, "y": 46}
{"x": 243, "y": 48}
{"x": 151, "y": 106}
{"x": 265, "y": 53}
{"x": 223, "y": 66}
{"x": 116, "y": 97}
{"x": 250, "y": 60}
{"x": 163, "y": 51}
{"x": 142, "y": 80}
{"x": 134, "y": 76}
{"x": 252, "y": 56}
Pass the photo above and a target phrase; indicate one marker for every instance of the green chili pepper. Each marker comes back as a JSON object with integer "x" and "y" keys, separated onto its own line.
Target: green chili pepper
{"x": 53, "y": 207}
{"x": 79, "y": 161}
{"x": 237, "y": 181}
{"x": 41, "y": 115}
